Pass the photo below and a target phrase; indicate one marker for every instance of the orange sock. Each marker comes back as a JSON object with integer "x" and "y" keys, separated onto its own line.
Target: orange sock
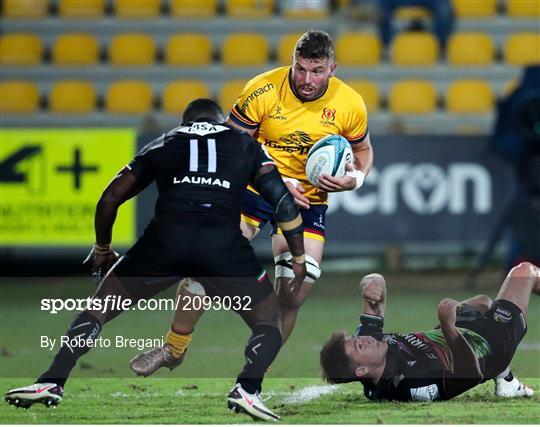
{"x": 178, "y": 342}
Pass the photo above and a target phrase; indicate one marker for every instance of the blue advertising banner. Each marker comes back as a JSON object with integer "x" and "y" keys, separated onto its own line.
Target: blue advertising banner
{"x": 424, "y": 190}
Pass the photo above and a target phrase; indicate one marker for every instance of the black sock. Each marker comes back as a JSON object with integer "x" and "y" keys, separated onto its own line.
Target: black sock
{"x": 84, "y": 327}
{"x": 261, "y": 350}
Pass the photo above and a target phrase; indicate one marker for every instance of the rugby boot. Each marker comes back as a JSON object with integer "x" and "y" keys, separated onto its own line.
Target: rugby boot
{"x": 240, "y": 400}
{"x": 150, "y": 361}
{"x": 514, "y": 388}
{"x": 50, "y": 394}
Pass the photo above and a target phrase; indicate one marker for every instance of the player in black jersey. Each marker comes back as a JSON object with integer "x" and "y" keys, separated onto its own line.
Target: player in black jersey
{"x": 201, "y": 170}
{"x": 474, "y": 342}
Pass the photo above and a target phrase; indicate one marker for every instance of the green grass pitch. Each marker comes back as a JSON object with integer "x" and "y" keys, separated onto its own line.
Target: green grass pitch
{"x": 103, "y": 389}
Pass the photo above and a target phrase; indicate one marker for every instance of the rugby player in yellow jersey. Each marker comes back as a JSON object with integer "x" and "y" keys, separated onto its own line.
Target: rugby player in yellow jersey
{"x": 288, "y": 110}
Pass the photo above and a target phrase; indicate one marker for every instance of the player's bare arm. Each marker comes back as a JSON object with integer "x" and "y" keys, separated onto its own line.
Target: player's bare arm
{"x": 363, "y": 160}
{"x": 373, "y": 288}
{"x": 465, "y": 371}
{"x": 122, "y": 188}
{"x": 363, "y": 155}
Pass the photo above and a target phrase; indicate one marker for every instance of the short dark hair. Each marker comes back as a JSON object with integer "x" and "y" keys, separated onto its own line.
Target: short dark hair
{"x": 315, "y": 45}
{"x": 335, "y": 364}
{"x": 203, "y": 108}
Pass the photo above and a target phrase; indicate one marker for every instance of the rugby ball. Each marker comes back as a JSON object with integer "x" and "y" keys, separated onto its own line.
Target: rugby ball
{"x": 328, "y": 156}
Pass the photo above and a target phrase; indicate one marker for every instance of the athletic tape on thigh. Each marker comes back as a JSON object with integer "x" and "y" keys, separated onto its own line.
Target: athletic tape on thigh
{"x": 193, "y": 287}
{"x": 284, "y": 268}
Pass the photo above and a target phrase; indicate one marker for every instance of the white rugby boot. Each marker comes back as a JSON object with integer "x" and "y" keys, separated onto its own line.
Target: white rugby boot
{"x": 50, "y": 394}
{"x": 514, "y": 388}
{"x": 240, "y": 400}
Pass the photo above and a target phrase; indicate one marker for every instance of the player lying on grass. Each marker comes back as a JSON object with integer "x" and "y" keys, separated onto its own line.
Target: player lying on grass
{"x": 201, "y": 170}
{"x": 475, "y": 342}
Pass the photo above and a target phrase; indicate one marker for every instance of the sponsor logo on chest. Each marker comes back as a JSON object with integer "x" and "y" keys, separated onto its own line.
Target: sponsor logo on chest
{"x": 278, "y": 114}
{"x": 298, "y": 142}
{"x": 256, "y": 93}
{"x": 200, "y": 180}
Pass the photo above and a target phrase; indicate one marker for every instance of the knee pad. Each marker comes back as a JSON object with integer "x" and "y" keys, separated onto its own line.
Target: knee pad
{"x": 284, "y": 267}
{"x": 193, "y": 286}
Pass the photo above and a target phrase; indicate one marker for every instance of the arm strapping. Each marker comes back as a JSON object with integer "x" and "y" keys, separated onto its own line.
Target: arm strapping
{"x": 271, "y": 187}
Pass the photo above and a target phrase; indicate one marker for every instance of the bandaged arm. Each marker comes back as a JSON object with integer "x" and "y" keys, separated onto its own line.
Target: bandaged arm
{"x": 268, "y": 183}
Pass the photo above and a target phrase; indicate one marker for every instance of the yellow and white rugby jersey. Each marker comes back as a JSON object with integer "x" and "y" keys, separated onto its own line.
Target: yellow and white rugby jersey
{"x": 288, "y": 127}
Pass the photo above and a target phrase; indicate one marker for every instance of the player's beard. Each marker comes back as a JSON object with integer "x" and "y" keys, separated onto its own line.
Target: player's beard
{"x": 310, "y": 95}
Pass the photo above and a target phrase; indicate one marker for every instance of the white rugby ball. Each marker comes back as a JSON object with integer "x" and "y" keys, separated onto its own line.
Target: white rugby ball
{"x": 328, "y": 156}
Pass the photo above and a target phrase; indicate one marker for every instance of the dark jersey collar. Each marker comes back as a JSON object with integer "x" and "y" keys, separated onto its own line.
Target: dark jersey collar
{"x": 390, "y": 375}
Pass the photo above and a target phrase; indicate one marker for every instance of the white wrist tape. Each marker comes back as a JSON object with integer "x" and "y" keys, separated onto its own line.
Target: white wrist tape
{"x": 360, "y": 177}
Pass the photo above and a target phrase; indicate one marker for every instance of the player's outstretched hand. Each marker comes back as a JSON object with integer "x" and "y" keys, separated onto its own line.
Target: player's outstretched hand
{"x": 372, "y": 288}
{"x": 447, "y": 312}
{"x": 332, "y": 184}
{"x": 296, "y": 189}
{"x": 300, "y": 272}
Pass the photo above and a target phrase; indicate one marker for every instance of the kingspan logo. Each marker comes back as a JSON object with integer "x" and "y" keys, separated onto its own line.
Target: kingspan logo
{"x": 200, "y": 180}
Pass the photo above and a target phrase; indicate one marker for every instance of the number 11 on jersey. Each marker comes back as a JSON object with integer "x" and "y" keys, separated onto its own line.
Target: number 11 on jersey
{"x": 194, "y": 155}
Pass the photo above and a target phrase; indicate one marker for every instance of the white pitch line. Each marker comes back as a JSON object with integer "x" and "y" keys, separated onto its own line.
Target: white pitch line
{"x": 119, "y": 394}
{"x": 310, "y": 393}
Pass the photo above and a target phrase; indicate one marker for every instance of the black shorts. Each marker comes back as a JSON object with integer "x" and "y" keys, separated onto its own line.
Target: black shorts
{"x": 213, "y": 252}
{"x": 502, "y": 326}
